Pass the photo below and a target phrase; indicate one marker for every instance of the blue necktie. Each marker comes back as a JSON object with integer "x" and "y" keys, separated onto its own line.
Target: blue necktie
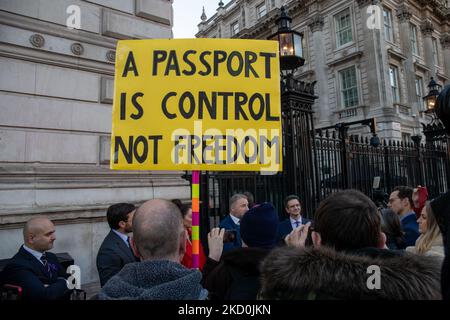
{"x": 297, "y": 223}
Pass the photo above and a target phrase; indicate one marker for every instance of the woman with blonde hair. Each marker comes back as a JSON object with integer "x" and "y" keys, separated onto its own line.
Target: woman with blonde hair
{"x": 430, "y": 241}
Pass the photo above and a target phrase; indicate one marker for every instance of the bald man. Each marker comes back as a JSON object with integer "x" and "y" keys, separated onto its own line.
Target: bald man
{"x": 35, "y": 270}
{"x": 159, "y": 240}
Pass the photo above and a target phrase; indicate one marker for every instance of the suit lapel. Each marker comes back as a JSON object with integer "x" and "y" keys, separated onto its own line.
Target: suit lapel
{"x": 124, "y": 248}
{"x": 38, "y": 267}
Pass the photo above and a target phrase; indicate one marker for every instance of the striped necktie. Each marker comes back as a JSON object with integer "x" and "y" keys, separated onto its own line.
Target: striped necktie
{"x": 45, "y": 263}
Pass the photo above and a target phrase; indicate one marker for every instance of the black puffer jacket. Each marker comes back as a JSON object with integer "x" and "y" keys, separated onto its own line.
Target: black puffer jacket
{"x": 323, "y": 273}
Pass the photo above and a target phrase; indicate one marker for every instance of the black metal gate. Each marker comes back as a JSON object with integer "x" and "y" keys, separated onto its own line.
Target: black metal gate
{"x": 319, "y": 162}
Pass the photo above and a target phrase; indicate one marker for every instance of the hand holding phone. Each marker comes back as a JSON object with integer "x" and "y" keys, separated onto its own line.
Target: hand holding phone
{"x": 229, "y": 236}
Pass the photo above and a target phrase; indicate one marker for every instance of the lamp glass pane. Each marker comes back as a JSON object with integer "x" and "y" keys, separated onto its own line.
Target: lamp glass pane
{"x": 298, "y": 50}
{"x": 286, "y": 45}
{"x": 431, "y": 101}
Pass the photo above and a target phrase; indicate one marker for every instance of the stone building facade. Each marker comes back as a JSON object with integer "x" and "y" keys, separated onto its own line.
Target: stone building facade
{"x": 56, "y": 89}
{"x": 371, "y": 59}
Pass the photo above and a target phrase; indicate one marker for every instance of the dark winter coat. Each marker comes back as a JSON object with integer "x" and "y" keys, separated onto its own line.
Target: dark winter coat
{"x": 236, "y": 276}
{"x": 323, "y": 273}
{"x": 26, "y": 271}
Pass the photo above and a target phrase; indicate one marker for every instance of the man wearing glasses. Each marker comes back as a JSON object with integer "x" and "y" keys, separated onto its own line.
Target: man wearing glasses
{"x": 400, "y": 201}
{"x": 294, "y": 209}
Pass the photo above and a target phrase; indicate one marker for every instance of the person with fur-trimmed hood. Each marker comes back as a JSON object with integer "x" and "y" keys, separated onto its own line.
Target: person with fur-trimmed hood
{"x": 347, "y": 240}
{"x": 326, "y": 274}
{"x": 235, "y": 275}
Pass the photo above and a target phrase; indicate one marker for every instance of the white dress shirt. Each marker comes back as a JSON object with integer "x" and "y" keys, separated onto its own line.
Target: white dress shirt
{"x": 236, "y": 221}
{"x": 122, "y": 236}
{"x": 35, "y": 253}
{"x": 293, "y": 223}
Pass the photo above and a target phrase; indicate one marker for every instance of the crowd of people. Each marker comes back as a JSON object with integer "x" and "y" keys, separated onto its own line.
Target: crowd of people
{"x": 148, "y": 252}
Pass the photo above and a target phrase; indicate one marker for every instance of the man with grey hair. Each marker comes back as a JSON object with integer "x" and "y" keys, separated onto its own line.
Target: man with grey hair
{"x": 159, "y": 240}
{"x": 238, "y": 207}
{"x": 33, "y": 268}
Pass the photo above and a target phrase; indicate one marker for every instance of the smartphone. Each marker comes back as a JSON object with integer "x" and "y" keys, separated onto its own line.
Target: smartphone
{"x": 229, "y": 236}
{"x": 309, "y": 242}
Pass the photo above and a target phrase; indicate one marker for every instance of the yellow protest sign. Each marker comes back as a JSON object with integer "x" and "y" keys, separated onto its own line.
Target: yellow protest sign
{"x": 196, "y": 104}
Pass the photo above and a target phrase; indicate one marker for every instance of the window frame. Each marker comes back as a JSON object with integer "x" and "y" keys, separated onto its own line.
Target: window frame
{"x": 389, "y": 26}
{"x": 258, "y": 13}
{"x": 232, "y": 28}
{"x": 414, "y": 39}
{"x": 395, "y": 93}
{"x": 348, "y": 28}
{"x": 343, "y": 90}
{"x": 419, "y": 85}
{"x": 435, "y": 48}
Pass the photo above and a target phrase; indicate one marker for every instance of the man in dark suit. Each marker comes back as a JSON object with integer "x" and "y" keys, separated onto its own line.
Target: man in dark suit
{"x": 293, "y": 208}
{"x": 238, "y": 207}
{"x": 115, "y": 251}
{"x": 35, "y": 270}
{"x": 401, "y": 202}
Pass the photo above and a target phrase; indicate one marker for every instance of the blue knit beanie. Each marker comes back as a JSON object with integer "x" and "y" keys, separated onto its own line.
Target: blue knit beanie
{"x": 259, "y": 226}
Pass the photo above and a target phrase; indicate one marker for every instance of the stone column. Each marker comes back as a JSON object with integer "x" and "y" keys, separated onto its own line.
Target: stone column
{"x": 427, "y": 31}
{"x": 320, "y": 67}
{"x": 404, "y": 16}
{"x": 445, "y": 41}
{"x": 376, "y": 59}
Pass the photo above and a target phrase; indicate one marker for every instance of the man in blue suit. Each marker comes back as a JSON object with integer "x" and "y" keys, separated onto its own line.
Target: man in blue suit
{"x": 35, "y": 270}
{"x": 115, "y": 251}
{"x": 293, "y": 208}
{"x": 400, "y": 201}
{"x": 238, "y": 207}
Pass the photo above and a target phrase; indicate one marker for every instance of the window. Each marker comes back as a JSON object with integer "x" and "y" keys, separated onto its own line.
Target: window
{"x": 414, "y": 44}
{"x": 406, "y": 137}
{"x": 234, "y": 28}
{"x": 349, "y": 87}
{"x": 272, "y": 4}
{"x": 419, "y": 90}
{"x": 435, "y": 52}
{"x": 393, "y": 77}
{"x": 261, "y": 10}
{"x": 388, "y": 25}
{"x": 343, "y": 26}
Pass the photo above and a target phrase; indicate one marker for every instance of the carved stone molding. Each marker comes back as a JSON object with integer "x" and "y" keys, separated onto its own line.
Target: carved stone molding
{"x": 363, "y": 3}
{"x": 316, "y": 23}
{"x": 445, "y": 41}
{"x": 77, "y": 48}
{"x": 111, "y": 56}
{"x": 427, "y": 28}
{"x": 37, "y": 40}
{"x": 404, "y": 14}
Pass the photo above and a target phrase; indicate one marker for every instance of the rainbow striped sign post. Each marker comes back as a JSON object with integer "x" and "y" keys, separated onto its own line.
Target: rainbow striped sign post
{"x": 195, "y": 218}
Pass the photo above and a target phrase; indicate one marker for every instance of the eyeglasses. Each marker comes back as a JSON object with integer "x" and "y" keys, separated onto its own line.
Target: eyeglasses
{"x": 393, "y": 199}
